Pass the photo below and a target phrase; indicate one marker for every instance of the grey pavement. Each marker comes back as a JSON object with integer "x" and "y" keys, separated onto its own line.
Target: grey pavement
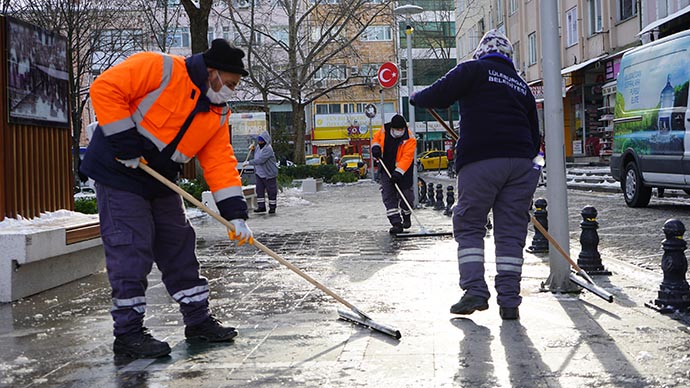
{"x": 290, "y": 335}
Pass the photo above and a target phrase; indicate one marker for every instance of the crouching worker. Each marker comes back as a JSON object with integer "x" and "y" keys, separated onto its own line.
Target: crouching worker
{"x": 394, "y": 146}
{"x": 493, "y": 162}
{"x": 165, "y": 109}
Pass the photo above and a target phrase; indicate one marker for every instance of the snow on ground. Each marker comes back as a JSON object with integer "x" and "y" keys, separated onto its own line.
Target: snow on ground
{"x": 46, "y": 221}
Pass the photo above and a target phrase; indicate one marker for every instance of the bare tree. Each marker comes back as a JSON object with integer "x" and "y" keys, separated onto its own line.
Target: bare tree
{"x": 98, "y": 34}
{"x": 161, "y": 18}
{"x": 299, "y": 50}
{"x": 198, "y": 22}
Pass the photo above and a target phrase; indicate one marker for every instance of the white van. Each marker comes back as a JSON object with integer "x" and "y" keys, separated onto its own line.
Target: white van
{"x": 651, "y": 119}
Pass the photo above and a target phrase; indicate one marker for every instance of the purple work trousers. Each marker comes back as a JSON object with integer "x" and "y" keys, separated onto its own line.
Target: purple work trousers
{"x": 138, "y": 232}
{"x": 393, "y": 201}
{"x": 505, "y": 185}
{"x": 264, "y": 185}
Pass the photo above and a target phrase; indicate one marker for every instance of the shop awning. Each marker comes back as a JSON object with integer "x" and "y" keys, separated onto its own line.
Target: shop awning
{"x": 653, "y": 25}
{"x": 618, "y": 54}
{"x": 580, "y": 65}
{"x": 334, "y": 142}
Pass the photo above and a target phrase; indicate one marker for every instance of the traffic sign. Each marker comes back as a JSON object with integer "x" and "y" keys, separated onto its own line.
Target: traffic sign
{"x": 370, "y": 111}
{"x": 388, "y": 75}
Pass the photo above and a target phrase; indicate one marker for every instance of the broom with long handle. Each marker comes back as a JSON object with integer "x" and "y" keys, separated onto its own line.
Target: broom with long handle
{"x": 587, "y": 283}
{"x": 356, "y": 316}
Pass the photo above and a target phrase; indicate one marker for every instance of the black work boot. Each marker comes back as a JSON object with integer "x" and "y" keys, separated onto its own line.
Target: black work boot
{"x": 469, "y": 304}
{"x": 406, "y": 222}
{"x": 397, "y": 228}
{"x": 509, "y": 313}
{"x": 260, "y": 210}
{"x": 271, "y": 210}
{"x": 210, "y": 330}
{"x": 140, "y": 344}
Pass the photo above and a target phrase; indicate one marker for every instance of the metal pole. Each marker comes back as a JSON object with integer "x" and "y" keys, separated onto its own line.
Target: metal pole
{"x": 410, "y": 89}
{"x": 556, "y": 193}
{"x": 371, "y": 141}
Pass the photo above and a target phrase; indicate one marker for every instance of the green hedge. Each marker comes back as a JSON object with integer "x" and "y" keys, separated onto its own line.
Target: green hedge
{"x": 86, "y": 205}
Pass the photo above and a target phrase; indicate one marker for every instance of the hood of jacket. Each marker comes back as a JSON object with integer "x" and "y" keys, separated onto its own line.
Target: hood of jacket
{"x": 266, "y": 136}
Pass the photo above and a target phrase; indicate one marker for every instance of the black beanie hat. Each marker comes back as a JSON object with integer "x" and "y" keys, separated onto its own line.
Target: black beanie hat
{"x": 225, "y": 57}
{"x": 398, "y": 122}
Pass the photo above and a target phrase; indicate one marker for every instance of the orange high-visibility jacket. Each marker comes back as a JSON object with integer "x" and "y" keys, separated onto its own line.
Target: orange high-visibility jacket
{"x": 154, "y": 93}
{"x": 405, "y": 155}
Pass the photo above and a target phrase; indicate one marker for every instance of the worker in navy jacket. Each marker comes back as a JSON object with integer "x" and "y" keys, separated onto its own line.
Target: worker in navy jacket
{"x": 493, "y": 160}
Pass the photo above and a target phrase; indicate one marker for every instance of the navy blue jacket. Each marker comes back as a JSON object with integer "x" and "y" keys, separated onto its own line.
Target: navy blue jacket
{"x": 498, "y": 114}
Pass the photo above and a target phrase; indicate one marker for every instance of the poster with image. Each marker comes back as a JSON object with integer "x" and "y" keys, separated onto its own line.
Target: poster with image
{"x": 38, "y": 76}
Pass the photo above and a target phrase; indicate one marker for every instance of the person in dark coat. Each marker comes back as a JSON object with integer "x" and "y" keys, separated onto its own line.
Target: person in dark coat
{"x": 394, "y": 146}
{"x": 495, "y": 168}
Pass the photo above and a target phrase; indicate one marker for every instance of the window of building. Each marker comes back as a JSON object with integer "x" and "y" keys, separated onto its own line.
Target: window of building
{"x": 112, "y": 41}
{"x": 349, "y": 108}
{"x": 210, "y": 37}
{"x": 532, "y": 47}
{"x": 513, "y": 6}
{"x": 377, "y": 34}
{"x": 226, "y": 33}
{"x": 516, "y": 56}
{"x": 461, "y": 5}
{"x": 430, "y": 34}
{"x": 280, "y": 33}
{"x": 328, "y": 71}
{"x": 499, "y": 12}
{"x": 626, "y": 9}
{"x": 571, "y": 25}
{"x": 178, "y": 37}
{"x": 595, "y": 19}
{"x": 321, "y": 109}
{"x": 334, "y": 109}
{"x": 662, "y": 8}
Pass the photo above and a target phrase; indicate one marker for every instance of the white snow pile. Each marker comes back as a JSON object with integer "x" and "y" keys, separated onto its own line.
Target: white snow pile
{"x": 46, "y": 221}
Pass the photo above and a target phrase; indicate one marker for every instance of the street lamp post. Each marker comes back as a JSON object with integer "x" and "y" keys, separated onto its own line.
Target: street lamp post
{"x": 407, "y": 11}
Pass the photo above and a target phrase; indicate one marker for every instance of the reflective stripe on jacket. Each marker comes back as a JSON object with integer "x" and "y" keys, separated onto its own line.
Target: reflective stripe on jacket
{"x": 155, "y": 93}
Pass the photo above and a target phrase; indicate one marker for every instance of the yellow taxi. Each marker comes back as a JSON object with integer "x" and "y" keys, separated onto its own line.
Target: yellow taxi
{"x": 354, "y": 164}
{"x": 432, "y": 160}
{"x": 314, "y": 160}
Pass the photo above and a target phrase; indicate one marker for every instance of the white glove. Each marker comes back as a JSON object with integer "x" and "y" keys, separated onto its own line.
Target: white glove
{"x": 245, "y": 164}
{"x": 242, "y": 233}
{"x": 131, "y": 163}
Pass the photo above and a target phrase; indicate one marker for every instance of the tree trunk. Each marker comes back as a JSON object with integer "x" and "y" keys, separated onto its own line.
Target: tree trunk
{"x": 298, "y": 124}
{"x": 198, "y": 23}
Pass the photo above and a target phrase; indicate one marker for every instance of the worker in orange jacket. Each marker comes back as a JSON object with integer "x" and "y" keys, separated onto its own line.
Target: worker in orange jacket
{"x": 165, "y": 109}
{"x": 394, "y": 145}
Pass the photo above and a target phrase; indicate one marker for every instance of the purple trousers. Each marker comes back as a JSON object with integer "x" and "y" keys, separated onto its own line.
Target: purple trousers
{"x": 394, "y": 204}
{"x": 505, "y": 185}
{"x": 137, "y": 233}
{"x": 264, "y": 185}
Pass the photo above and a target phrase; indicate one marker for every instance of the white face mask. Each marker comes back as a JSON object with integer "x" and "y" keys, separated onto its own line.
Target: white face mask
{"x": 397, "y": 133}
{"x": 220, "y": 97}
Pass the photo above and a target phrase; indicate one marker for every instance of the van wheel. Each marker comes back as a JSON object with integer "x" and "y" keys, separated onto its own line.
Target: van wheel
{"x": 635, "y": 192}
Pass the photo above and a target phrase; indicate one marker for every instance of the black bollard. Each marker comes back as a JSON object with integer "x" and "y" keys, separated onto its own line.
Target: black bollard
{"x": 674, "y": 291}
{"x": 422, "y": 190}
{"x": 439, "y": 205}
{"x": 589, "y": 258}
{"x": 450, "y": 200}
{"x": 430, "y": 201}
{"x": 539, "y": 243}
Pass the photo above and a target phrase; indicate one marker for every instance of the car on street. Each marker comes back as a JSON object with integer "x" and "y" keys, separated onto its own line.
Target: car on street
{"x": 432, "y": 160}
{"x": 314, "y": 160}
{"x": 353, "y": 163}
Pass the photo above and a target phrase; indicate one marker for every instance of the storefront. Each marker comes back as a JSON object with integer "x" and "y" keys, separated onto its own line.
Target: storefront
{"x": 583, "y": 84}
{"x": 344, "y": 134}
